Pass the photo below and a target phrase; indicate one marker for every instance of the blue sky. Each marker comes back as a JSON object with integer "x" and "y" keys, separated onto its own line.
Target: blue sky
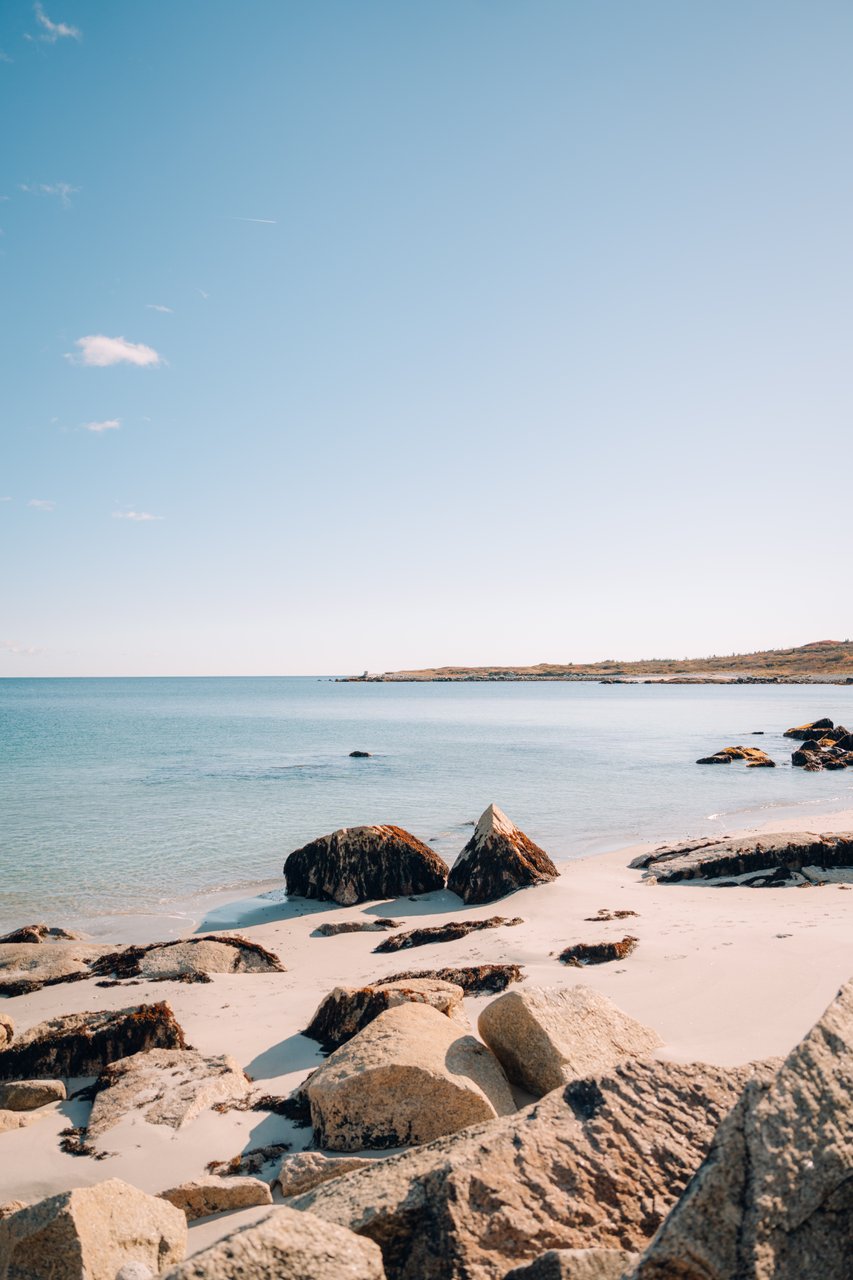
{"x": 458, "y": 331}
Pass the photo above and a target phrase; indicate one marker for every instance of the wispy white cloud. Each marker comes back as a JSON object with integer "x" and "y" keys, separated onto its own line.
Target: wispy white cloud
{"x": 139, "y": 516}
{"x": 12, "y": 646}
{"x": 158, "y": 306}
{"x": 98, "y": 350}
{"x": 109, "y": 424}
{"x": 203, "y": 294}
{"x": 63, "y": 190}
{"x": 268, "y": 222}
{"x": 4, "y": 57}
{"x": 42, "y": 504}
{"x": 6, "y": 498}
{"x": 53, "y": 31}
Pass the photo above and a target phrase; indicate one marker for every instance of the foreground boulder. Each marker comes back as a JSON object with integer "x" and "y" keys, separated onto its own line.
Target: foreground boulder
{"x": 285, "y": 1246}
{"x": 83, "y": 1044}
{"x": 774, "y": 1198}
{"x": 28, "y": 1095}
{"x": 346, "y": 1010}
{"x": 408, "y": 1077}
{"x": 544, "y": 1037}
{"x": 596, "y": 1164}
{"x": 164, "y": 1086}
{"x": 89, "y": 1233}
{"x": 497, "y": 860}
{"x": 576, "y": 1264}
{"x": 788, "y": 858}
{"x": 25, "y": 968}
{"x": 204, "y": 1196}
{"x": 305, "y": 1170}
{"x": 359, "y": 864}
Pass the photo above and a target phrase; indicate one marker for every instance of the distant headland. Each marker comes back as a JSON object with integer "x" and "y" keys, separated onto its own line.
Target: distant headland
{"x": 820, "y": 662}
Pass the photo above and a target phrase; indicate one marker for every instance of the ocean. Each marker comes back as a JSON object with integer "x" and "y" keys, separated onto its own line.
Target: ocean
{"x": 141, "y": 797}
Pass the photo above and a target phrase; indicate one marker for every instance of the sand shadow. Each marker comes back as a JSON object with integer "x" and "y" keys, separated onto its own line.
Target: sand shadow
{"x": 244, "y": 913}
{"x": 441, "y": 902}
{"x": 296, "y": 1053}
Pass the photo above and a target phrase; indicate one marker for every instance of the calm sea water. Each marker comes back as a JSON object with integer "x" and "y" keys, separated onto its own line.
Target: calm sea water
{"x": 130, "y": 797}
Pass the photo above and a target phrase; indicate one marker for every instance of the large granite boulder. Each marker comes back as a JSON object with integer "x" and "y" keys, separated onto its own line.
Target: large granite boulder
{"x": 89, "y": 1233}
{"x": 408, "y": 1077}
{"x": 359, "y": 864}
{"x": 544, "y": 1037}
{"x": 497, "y": 860}
{"x": 29, "y": 1095}
{"x": 576, "y": 1264}
{"x": 164, "y": 1086}
{"x": 757, "y": 861}
{"x": 596, "y": 1164}
{"x": 204, "y": 1196}
{"x": 83, "y": 1044}
{"x": 346, "y": 1010}
{"x": 305, "y": 1170}
{"x": 774, "y": 1198}
{"x": 25, "y": 967}
{"x": 285, "y": 1246}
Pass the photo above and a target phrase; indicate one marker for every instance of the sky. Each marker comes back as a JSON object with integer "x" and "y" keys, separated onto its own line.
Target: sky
{"x": 342, "y": 336}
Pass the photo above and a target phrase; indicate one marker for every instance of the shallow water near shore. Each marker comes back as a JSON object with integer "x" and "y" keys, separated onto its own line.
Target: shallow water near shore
{"x": 149, "y": 800}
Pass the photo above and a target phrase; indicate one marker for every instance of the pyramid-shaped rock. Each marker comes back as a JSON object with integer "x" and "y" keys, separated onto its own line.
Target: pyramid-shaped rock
{"x": 497, "y": 860}
{"x": 774, "y": 1198}
{"x": 360, "y": 864}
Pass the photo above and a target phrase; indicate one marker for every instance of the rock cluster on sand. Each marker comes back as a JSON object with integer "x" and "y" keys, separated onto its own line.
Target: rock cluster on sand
{"x": 305, "y": 1170}
{"x": 360, "y": 864}
{"x": 755, "y": 758}
{"x": 346, "y": 1010}
{"x": 204, "y": 1196}
{"x": 28, "y": 1095}
{"x": 595, "y": 1164}
{"x": 164, "y": 1086}
{"x": 285, "y": 1246}
{"x": 410, "y": 1076}
{"x": 544, "y": 1037}
{"x": 83, "y": 1044}
{"x": 774, "y": 1198}
{"x": 788, "y": 858}
{"x": 497, "y": 860}
{"x": 474, "y": 979}
{"x": 452, "y": 931}
{"x": 576, "y": 1264}
{"x": 91, "y": 1232}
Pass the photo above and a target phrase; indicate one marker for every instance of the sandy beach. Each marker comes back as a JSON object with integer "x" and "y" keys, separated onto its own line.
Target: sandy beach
{"x": 725, "y": 976}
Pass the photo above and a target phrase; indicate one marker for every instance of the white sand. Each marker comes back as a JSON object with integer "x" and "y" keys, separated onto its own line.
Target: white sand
{"x": 724, "y": 975}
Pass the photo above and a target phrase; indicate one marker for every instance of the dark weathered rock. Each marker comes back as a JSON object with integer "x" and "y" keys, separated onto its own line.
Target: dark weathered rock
{"x": 475, "y": 980}
{"x": 762, "y": 860}
{"x": 597, "y": 1164}
{"x": 755, "y": 758}
{"x": 813, "y": 730}
{"x": 83, "y": 1044}
{"x": 583, "y": 953}
{"x": 359, "y": 864}
{"x": 359, "y": 755}
{"x": 576, "y": 1264}
{"x": 774, "y": 1198}
{"x": 346, "y": 1010}
{"x": 450, "y": 932}
{"x": 355, "y": 926}
{"x": 497, "y": 860}
{"x": 37, "y": 933}
{"x": 188, "y": 958}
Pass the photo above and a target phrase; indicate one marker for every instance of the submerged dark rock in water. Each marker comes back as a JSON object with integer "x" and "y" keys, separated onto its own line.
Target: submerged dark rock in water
{"x": 450, "y": 932}
{"x": 762, "y": 860}
{"x": 359, "y": 864}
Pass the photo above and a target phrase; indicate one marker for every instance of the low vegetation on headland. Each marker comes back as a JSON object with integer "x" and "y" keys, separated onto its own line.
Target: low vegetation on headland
{"x": 821, "y": 661}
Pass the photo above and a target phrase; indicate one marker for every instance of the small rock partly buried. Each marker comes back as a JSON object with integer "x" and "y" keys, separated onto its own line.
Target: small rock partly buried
{"x": 450, "y": 932}
{"x": 204, "y": 1196}
{"x": 28, "y": 1095}
{"x": 475, "y": 979}
{"x": 361, "y": 864}
{"x": 91, "y": 1232}
{"x": 164, "y": 1086}
{"x": 497, "y": 860}
{"x": 25, "y": 968}
{"x": 576, "y": 1264}
{"x": 17, "y": 1119}
{"x": 188, "y": 958}
{"x": 285, "y": 1245}
{"x": 583, "y": 953}
{"x": 248, "y": 1163}
{"x": 7, "y": 1030}
{"x": 410, "y": 1076}
{"x": 346, "y": 1010}
{"x": 83, "y": 1044}
{"x": 305, "y": 1170}
{"x": 603, "y": 915}
{"x": 36, "y": 933}
{"x": 355, "y": 926}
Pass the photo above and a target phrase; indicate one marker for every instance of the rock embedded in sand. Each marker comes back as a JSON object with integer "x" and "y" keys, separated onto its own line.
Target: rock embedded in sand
{"x": 84, "y": 1044}
{"x": 576, "y": 1264}
{"x": 188, "y": 959}
{"x": 410, "y": 1076}
{"x": 164, "y": 1086}
{"x": 285, "y": 1245}
{"x": 10, "y": 1120}
{"x": 497, "y": 860}
{"x": 544, "y": 1037}
{"x": 305, "y": 1170}
{"x": 753, "y": 860}
{"x": 25, "y": 967}
{"x": 91, "y": 1232}
{"x": 774, "y": 1198}
{"x": 28, "y": 1095}
{"x": 475, "y": 979}
{"x": 7, "y": 1030}
{"x": 583, "y": 953}
{"x": 346, "y": 1010}
{"x": 36, "y": 933}
{"x": 359, "y": 864}
{"x": 355, "y": 926}
{"x": 596, "y": 1164}
{"x": 450, "y": 932}
{"x": 204, "y": 1196}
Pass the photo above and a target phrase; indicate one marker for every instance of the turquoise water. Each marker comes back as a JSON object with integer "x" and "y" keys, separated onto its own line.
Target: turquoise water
{"x": 131, "y": 796}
